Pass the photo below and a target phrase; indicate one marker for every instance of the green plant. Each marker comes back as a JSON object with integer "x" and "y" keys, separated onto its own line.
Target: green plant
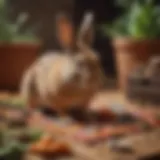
{"x": 14, "y": 143}
{"x": 10, "y": 102}
{"x": 140, "y": 20}
{"x": 14, "y": 150}
{"x": 11, "y": 32}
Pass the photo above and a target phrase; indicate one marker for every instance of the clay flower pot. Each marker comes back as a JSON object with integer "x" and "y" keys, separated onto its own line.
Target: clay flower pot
{"x": 14, "y": 59}
{"x": 129, "y": 54}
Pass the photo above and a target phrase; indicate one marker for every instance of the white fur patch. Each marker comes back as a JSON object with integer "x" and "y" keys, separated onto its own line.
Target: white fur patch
{"x": 68, "y": 70}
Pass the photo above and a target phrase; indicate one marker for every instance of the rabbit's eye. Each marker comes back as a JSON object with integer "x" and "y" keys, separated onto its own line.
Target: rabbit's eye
{"x": 82, "y": 63}
{"x": 92, "y": 66}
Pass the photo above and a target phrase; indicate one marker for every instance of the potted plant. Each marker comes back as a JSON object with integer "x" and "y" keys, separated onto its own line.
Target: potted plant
{"x": 17, "y": 49}
{"x": 135, "y": 35}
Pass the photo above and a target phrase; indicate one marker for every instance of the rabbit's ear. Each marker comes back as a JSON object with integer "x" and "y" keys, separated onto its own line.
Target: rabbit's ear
{"x": 86, "y": 32}
{"x": 65, "y": 31}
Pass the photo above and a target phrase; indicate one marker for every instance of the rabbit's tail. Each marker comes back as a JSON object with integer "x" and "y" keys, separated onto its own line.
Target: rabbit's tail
{"x": 27, "y": 87}
{"x": 27, "y": 91}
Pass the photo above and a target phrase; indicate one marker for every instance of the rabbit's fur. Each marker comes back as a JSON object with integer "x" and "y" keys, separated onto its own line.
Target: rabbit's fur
{"x": 66, "y": 79}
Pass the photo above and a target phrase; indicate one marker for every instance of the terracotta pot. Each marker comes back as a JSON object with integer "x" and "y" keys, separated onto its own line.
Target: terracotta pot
{"x": 14, "y": 59}
{"x": 129, "y": 54}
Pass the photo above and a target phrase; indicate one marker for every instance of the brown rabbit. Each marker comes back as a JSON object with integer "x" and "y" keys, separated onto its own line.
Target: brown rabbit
{"x": 66, "y": 79}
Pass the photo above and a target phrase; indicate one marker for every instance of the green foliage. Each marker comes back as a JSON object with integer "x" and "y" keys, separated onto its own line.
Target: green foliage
{"x": 10, "y": 32}
{"x": 34, "y": 134}
{"x": 12, "y": 146}
{"x": 13, "y": 150}
{"x": 141, "y": 20}
{"x": 12, "y": 102}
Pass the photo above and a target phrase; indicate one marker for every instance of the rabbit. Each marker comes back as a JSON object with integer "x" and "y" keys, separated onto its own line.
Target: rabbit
{"x": 65, "y": 79}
